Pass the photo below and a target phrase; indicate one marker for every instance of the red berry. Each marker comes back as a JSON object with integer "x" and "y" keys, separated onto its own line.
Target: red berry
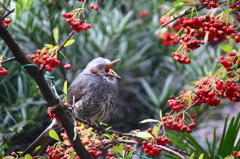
{"x": 69, "y": 20}
{"x": 237, "y": 39}
{"x": 64, "y": 14}
{"x": 232, "y": 6}
{"x": 110, "y": 154}
{"x": 7, "y": 20}
{"x": 84, "y": 27}
{"x": 3, "y": 72}
{"x": 57, "y": 63}
{"x": 5, "y": 25}
{"x": 95, "y": 7}
{"x": 88, "y": 26}
{"x": 48, "y": 68}
{"x": 91, "y": 6}
{"x": 99, "y": 153}
{"x": 192, "y": 125}
{"x": 189, "y": 130}
{"x": 69, "y": 15}
{"x": 193, "y": 116}
{"x": 67, "y": 66}
{"x": 91, "y": 152}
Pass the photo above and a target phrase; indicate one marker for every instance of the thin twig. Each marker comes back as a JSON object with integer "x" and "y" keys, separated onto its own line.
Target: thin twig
{"x": 195, "y": 103}
{"x": 165, "y": 148}
{"x": 9, "y": 59}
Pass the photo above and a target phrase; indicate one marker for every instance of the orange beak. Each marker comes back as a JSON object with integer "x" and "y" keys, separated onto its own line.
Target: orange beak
{"x": 109, "y": 71}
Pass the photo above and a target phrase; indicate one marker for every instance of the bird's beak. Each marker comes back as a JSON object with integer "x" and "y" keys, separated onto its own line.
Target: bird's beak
{"x": 109, "y": 71}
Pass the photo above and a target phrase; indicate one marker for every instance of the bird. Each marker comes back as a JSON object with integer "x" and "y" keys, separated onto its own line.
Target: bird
{"x": 94, "y": 93}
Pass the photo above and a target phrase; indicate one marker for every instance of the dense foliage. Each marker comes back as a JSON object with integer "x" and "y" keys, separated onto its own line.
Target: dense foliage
{"x": 179, "y": 67}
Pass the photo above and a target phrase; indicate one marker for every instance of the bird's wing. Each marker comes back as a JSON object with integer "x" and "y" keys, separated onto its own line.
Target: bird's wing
{"x": 77, "y": 88}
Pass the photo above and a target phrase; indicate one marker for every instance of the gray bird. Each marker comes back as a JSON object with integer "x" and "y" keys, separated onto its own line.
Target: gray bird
{"x": 94, "y": 92}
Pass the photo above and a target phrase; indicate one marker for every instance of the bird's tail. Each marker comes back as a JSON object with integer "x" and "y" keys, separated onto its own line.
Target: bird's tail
{"x": 43, "y": 140}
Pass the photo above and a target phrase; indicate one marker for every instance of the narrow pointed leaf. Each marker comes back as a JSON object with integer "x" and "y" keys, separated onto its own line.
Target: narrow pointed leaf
{"x": 55, "y": 35}
{"x": 53, "y": 134}
{"x": 69, "y": 42}
{"x": 149, "y": 120}
{"x": 65, "y": 90}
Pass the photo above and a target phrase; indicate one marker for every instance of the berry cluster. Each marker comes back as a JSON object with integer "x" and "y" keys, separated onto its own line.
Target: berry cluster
{"x": 208, "y": 97}
{"x": 150, "y": 149}
{"x": 5, "y": 22}
{"x": 3, "y": 71}
{"x": 236, "y": 5}
{"x": 93, "y": 6}
{"x": 230, "y": 61}
{"x": 161, "y": 140}
{"x": 178, "y": 123}
{"x": 236, "y": 154}
{"x": 57, "y": 153}
{"x": 198, "y": 28}
{"x": 93, "y": 145}
{"x": 95, "y": 153}
{"x": 76, "y": 24}
{"x": 181, "y": 58}
{"x": 229, "y": 90}
{"x": 42, "y": 59}
{"x": 167, "y": 38}
{"x": 209, "y": 3}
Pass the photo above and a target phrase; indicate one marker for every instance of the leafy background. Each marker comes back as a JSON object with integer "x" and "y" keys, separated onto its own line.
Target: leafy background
{"x": 149, "y": 74}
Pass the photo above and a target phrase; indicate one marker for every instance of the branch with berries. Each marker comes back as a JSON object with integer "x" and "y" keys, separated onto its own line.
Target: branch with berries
{"x": 194, "y": 31}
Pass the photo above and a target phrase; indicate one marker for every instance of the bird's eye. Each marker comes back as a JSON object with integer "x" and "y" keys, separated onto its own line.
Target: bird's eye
{"x": 99, "y": 66}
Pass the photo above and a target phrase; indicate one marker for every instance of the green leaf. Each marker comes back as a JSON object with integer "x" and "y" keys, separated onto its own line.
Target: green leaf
{"x": 180, "y": 1}
{"x": 229, "y": 136}
{"x": 149, "y": 91}
{"x": 53, "y": 134}
{"x": 160, "y": 114}
{"x": 65, "y": 90}
{"x": 149, "y": 120}
{"x": 55, "y": 35}
{"x": 30, "y": 122}
{"x": 36, "y": 149}
{"x": 230, "y": 19}
{"x": 206, "y": 37}
{"x": 155, "y": 130}
{"x": 205, "y": 70}
{"x": 226, "y": 12}
{"x": 27, "y": 156}
{"x": 120, "y": 149}
{"x": 167, "y": 89}
{"x": 69, "y": 42}
{"x": 72, "y": 154}
{"x": 226, "y": 48}
{"x": 201, "y": 156}
{"x": 189, "y": 98}
{"x": 48, "y": 45}
{"x": 129, "y": 155}
{"x": 192, "y": 156}
{"x": 109, "y": 136}
{"x": 144, "y": 135}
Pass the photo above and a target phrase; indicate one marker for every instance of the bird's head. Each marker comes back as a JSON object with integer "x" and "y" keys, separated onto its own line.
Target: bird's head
{"x": 102, "y": 67}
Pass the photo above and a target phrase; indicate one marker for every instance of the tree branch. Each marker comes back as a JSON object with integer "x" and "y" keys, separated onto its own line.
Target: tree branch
{"x": 60, "y": 110}
{"x": 47, "y": 93}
